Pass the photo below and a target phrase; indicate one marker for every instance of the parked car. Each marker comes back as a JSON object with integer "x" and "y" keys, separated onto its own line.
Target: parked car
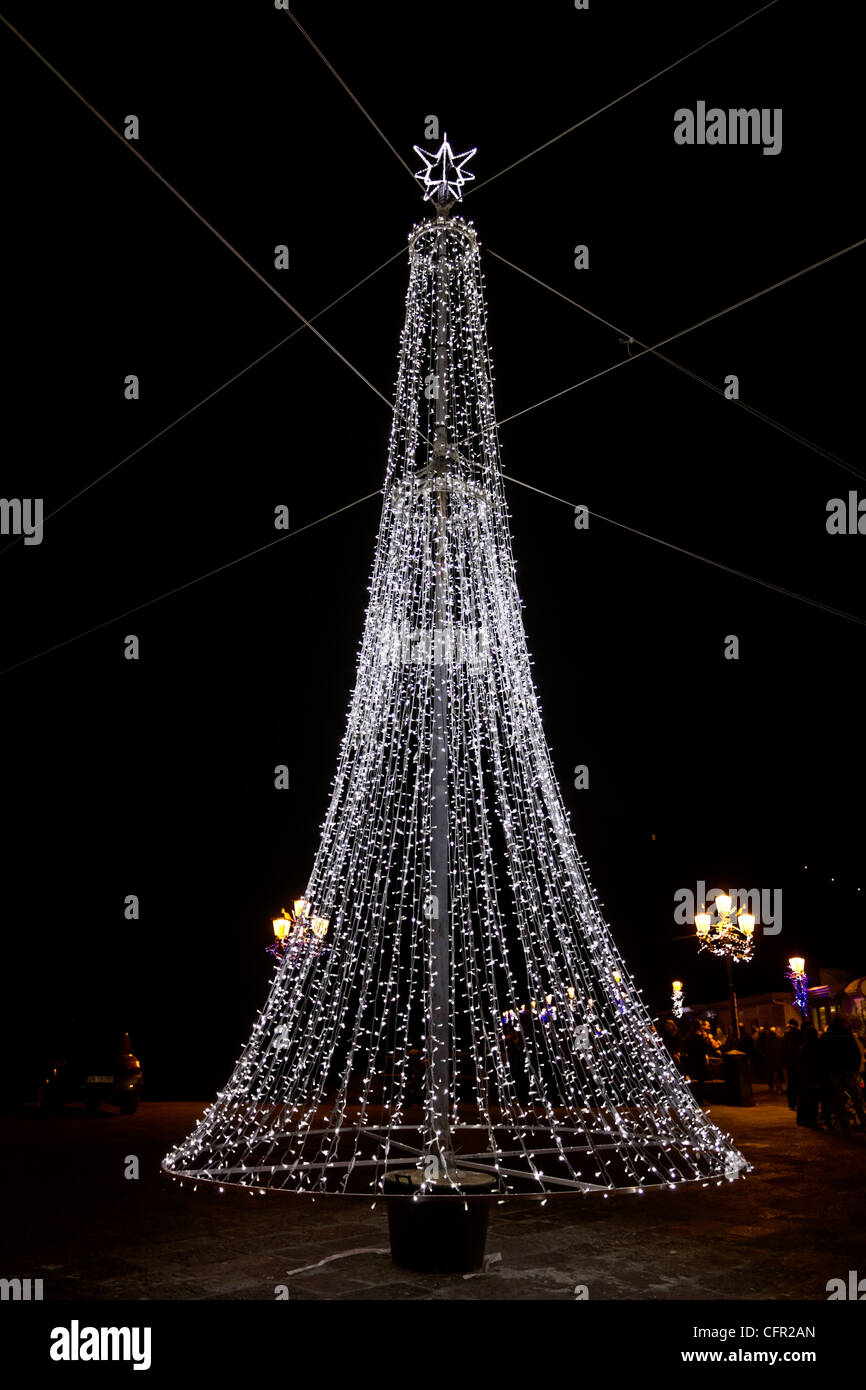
{"x": 94, "y": 1065}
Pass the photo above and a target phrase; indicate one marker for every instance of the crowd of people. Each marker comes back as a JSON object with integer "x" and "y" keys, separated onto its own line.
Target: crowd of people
{"x": 820, "y": 1071}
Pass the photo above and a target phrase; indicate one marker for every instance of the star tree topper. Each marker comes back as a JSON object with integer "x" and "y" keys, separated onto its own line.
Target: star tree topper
{"x": 443, "y": 176}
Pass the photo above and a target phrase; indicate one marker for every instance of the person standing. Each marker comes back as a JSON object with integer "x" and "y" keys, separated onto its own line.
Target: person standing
{"x": 811, "y": 1080}
{"x": 695, "y": 1052}
{"x": 747, "y": 1044}
{"x": 672, "y": 1038}
{"x": 769, "y": 1051}
{"x": 757, "y": 1054}
{"x": 790, "y": 1049}
{"x": 842, "y": 1058}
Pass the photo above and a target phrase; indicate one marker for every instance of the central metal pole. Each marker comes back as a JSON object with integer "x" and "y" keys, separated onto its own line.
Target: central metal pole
{"x": 735, "y": 1017}
{"x": 439, "y": 1070}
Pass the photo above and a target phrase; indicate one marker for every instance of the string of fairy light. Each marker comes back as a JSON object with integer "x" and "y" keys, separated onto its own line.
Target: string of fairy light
{"x": 333, "y": 1089}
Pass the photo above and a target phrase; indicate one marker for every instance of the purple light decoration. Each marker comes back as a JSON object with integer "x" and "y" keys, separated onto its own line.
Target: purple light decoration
{"x": 801, "y": 997}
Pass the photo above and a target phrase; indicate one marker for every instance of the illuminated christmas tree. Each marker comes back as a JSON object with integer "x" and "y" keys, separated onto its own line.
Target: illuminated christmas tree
{"x": 456, "y": 1005}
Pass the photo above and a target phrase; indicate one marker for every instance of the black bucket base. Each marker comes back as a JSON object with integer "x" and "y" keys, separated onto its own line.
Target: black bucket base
{"x": 435, "y": 1232}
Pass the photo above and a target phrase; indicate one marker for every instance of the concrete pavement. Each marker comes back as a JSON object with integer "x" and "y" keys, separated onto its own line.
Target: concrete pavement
{"x": 72, "y": 1218}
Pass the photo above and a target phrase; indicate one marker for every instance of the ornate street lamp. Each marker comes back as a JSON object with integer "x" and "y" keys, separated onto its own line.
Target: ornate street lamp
{"x": 731, "y": 935}
{"x": 677, "y": 998}
{"x": 796, "y": 973}
{"x": 298, "y": 928}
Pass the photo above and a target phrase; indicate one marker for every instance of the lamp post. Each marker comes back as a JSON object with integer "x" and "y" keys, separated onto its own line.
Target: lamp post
{"x": 298, "y": 928}
{"x": 797, "y": 975}
{"x": 677, "y": 997}
{"x": 731, "y": 935}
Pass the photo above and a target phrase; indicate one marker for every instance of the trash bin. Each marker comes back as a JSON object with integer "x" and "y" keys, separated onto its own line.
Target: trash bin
{"x": 436, "y": 1232}
{"x": 738, "y": 1078}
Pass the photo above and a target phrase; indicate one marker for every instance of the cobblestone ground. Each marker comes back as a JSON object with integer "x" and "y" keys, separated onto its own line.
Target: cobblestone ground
{"x": 71, "y": 1218}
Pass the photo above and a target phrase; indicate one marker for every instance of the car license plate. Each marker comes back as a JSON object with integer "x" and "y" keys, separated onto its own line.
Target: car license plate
{"x": 99, "y": 1080}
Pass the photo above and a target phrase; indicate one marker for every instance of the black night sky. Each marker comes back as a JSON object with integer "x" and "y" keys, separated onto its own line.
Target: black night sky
{"x": 155, "y": 777}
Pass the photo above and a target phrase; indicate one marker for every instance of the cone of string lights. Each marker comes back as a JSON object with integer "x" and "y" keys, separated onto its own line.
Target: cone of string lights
{"x": 460, "y": 1008}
